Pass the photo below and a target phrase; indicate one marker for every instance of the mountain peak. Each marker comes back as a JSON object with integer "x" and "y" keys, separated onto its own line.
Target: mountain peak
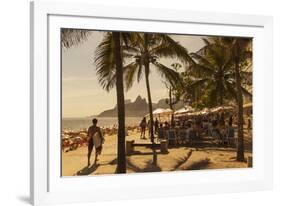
{"x": 139, "y": 99}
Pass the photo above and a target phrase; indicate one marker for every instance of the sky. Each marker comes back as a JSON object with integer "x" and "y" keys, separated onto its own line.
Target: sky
{"x": 81, "y": 93}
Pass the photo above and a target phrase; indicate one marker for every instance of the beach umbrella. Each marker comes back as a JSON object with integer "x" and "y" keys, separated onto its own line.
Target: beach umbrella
{"x": 158, "y": 111}
{"x": 184, "y": 110}
{"x": 205, "y": 111}
{"x": 222, "y": 108}
{"x": 168, "y": 111}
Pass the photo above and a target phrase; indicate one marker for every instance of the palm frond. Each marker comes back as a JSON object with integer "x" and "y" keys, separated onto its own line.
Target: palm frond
{"x": 202, "y": 70}
{"x": 202, "y": 60}
{"x": 171, "y": 49}
{"x": 140, "y": 73}
{"x": 246, "y": 92}
{"x": 105, "y": 62}
{"x": 169, "y": 74}
{"x": 231, "y": 89}
{"x": 73, "y": 37}
{"x": 199, "y": 83}
{"x": 130, "y": 72}
{"x": 206, "y": 41}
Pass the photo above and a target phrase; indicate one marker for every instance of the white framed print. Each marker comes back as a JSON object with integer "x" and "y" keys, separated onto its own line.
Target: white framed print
{"x": 133, "y": 103}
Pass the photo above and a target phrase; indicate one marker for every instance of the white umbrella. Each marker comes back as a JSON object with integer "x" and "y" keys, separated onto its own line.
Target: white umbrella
{"x": 221, "y": 108}
{"x": 184, "y": 110}
{"x": 158, "y": 111}
{"x": 168, "y": 111}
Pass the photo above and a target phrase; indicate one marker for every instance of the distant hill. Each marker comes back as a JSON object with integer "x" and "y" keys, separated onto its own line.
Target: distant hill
{"x": 138, "y": 108}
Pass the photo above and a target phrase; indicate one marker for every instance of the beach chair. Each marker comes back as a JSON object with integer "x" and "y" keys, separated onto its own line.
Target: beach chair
{"x": 161, "y": 134}
{"x": 191, "y": 135}
{"x": 188, "y": 136}
{"x": 230, "y": 136}
{"x": 205, "y": 128}
{"x": 171, "y": 136}
{"x": 216, "y": 136}
{"x": 182, "y": 136}
{"x": 210, "y": 129}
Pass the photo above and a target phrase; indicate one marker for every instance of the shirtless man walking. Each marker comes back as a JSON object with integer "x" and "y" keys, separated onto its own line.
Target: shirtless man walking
{"x": 96, "y": 139}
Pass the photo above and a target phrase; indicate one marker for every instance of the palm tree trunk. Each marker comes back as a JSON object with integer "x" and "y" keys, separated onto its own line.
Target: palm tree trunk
{"x": 240, "y": 143}
{"x": 154, "y": 160}
{"x": 221, "y": 98}
{"x": 146, "y": 67}
{"x": 171, "y": 105}
{"x": 121, "y": 156}
{"x": 149, "y": 103}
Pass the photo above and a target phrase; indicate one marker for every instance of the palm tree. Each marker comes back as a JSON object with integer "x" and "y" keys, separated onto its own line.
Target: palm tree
{"x": 231, "y": 56}
{"x": 212, "y": 71}
{"x": 121, "y": 157}
{"x": 147, "y": 49}
{"x": 109, "y": 66}
{"x": 241, "y": 53}
{"x": 108, "y": 54}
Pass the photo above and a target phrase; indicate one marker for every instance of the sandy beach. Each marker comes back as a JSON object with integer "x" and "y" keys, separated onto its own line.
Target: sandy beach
{"x": 202, "y": 155}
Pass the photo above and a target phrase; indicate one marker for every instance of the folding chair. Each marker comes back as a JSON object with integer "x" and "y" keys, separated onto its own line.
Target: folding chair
{"x": 216, "y": 136}
{"x": 172, "y": 136}
{"x": 230, "y": 135}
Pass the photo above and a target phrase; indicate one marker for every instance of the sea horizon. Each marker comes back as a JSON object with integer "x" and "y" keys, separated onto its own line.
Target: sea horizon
{"x": 79, "y": 123}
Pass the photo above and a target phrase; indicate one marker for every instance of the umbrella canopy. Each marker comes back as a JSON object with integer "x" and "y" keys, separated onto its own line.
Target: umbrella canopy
{"x": 221, "y": 108}
{"x": 184, "y": 110}
{"x": 205, "y": 111}
{"x": 158, "y": 111}
{"x": 168, "y": 111}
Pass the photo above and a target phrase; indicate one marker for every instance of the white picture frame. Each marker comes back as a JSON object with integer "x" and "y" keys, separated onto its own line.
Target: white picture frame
{"x": 46, "y": 184}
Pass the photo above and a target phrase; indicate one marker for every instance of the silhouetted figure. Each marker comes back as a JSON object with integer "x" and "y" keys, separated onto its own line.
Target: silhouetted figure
{"x": 156, "y": 126}
{"x": 143, "y": 127}
{"x": 96, "y": 139}
{"x": 161, "y": 132}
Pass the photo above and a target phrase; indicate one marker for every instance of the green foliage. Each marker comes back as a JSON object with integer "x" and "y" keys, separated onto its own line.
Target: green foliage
{"x": 210, "y": 80}
{"x": 159, "y": 46}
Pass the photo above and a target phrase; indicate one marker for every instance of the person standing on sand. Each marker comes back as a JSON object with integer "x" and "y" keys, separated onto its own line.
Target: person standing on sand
{"x": 156, "y": 126}
{"x": 143, "y": 127}
{"x": 95, "y": 138}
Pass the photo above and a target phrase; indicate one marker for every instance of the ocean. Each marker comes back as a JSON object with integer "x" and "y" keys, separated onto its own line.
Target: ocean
{"x": 105, "y": 122}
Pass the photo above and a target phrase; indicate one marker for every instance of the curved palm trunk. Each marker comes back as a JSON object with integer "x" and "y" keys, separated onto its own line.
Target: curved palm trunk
{"x": 171, "y": 105}
{"x": 149, "y": 103}
{"x": 154, "y": 161}
{"x": 240, "y": 144}
{"x": 221, "y": 98}
{"x": 221, "y": 86}
{"x": 121, "y": 156}
{"x": 146, "y": 67}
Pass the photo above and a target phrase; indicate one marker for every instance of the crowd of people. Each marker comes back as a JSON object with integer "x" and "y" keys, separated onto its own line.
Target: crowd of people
{"x": 187, "y": 128}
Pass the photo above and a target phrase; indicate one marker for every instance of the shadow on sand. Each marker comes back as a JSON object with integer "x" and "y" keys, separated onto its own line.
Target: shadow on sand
{"x": 149, "y": 167}
{"x": 88, "y": 170}
{"x": 145, "y": 153}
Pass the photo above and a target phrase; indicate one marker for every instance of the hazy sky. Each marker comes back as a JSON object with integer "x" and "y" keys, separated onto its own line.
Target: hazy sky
{"x": 81, "y": 93}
